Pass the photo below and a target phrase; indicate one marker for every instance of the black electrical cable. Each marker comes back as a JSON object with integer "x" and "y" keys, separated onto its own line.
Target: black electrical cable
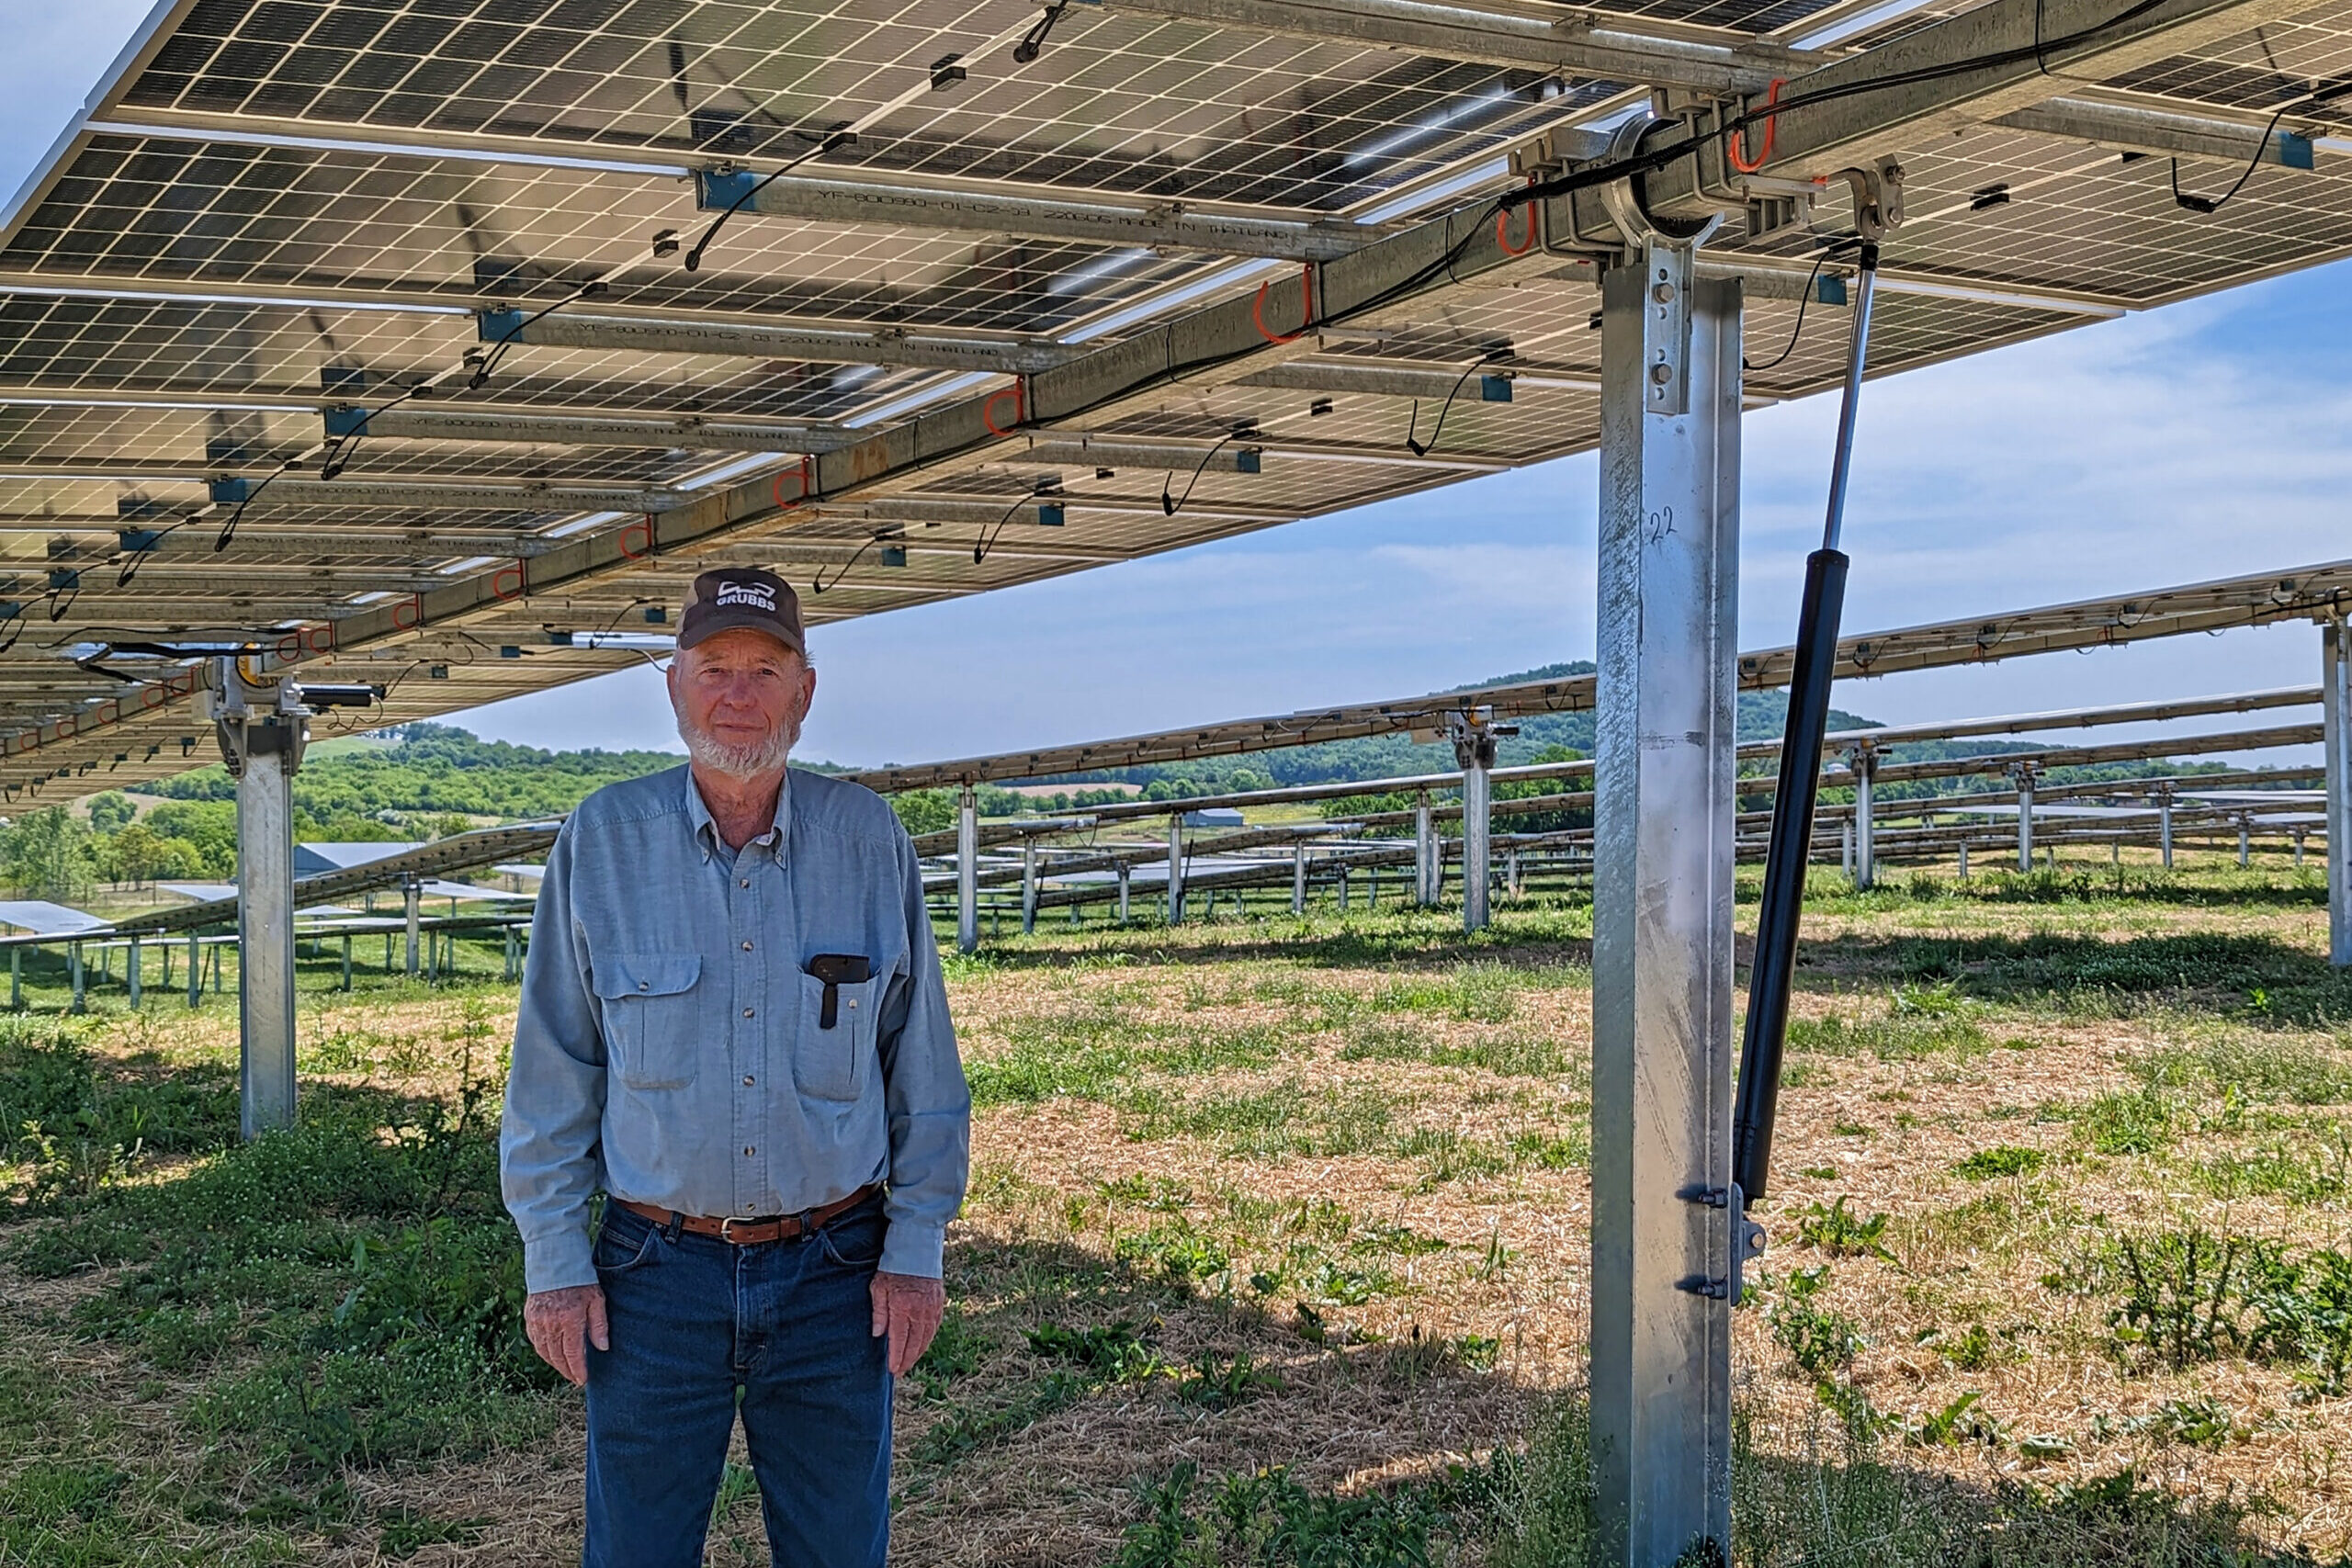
{"x": 1413, "y": 421}
{"x": 817, "y": 584}
{"x": 831, "y": 140}
{"x": 1803, "y": 301}
{"x": 490, "y": 362}
{"x": 340, "y": 451}
{"x": 133, "y": 559}
{"x": 1034, "y": 42}
{"x": 987, "y": 541}
{"x": 229, "y": 529}
{"x": 2211, "y": 204}
{"x": 1171, "y": 504}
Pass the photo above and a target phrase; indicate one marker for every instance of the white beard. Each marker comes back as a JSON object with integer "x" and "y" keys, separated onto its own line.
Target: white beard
{"x": 735, "y": 761}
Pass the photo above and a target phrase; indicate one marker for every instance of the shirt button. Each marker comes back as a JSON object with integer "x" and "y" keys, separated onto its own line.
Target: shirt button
{"x": 748, "y": 1149}
{"x": 747, "y": 1012}
{"x": 746, "y": 882}
{"x": 645, "y": 985}
{"x": 747, "y": 1080}
{"x": 747, "y": 947}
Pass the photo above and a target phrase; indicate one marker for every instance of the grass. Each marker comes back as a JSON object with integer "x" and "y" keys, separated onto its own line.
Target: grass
{"x": 1276, "y": 1254}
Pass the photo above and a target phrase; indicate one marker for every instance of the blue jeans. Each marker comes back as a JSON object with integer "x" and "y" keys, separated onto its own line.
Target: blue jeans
{"x": 700, "y": 1328}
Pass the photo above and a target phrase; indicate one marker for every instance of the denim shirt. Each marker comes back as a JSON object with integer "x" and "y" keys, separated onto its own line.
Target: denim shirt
{"x": 671, "y": 1046}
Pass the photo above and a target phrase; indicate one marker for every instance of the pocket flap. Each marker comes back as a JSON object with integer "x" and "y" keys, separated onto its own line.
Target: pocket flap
{"x": 622, "y": 975}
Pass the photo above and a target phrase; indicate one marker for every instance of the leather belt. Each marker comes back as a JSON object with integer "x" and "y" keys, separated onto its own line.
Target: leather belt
{"x": 752, "y": 1230}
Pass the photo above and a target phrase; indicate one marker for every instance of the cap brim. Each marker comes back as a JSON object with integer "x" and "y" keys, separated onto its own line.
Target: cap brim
{"x": 704, "y": 629}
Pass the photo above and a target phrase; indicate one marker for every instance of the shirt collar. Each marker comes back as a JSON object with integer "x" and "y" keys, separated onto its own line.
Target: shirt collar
{"x": 706, "y": 827}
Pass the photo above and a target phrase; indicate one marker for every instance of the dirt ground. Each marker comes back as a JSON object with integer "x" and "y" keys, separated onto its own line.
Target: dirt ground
{"x": 1314, "y": 1195}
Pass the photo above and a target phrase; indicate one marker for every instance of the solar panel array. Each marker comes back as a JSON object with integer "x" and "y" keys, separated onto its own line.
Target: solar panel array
{"x": 280, "y": 216}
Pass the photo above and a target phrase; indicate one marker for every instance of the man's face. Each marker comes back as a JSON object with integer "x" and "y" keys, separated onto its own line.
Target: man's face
{"x": 740, "y": 697}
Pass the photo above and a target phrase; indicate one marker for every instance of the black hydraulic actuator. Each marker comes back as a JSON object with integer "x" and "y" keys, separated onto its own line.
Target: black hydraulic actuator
{"x": 1794, "y": 798}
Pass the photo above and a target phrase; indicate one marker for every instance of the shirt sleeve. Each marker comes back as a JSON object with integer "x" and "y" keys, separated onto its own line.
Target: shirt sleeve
{"x": 550, "y": 1155}
{"x": 923, "y": 1092}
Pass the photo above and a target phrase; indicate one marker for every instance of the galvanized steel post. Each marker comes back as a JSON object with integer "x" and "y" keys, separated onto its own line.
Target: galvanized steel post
{"x": 1028, "y": 885}
{"x": 195, "y": 971}
{"x": 1424, "y": 851}
{"x": 967, "y": 870}
{"x": 1663, "y": 840}
{"x": 2245, "y": 843}
{"x": 2336, "y": 738}
{"x": 1176, "y": 869}
{"x": 1124, "y": 871}
{"x": 265, "y": 923}
{"x": 1298, "y": 879}
{"x": 73, "y": 958}
{"x": 414, "y": 899}
{"x": 130, "y": 972}
{"x": 1863, "y": 759}
{"x": 2164, "y": 822}
{"x": 2024, "y": 773}
{"x": 1474, "y": 751}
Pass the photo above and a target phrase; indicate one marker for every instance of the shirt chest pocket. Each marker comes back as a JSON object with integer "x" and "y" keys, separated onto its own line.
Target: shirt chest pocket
{"x": 835, "y": 1063}
{"x": 649, "y": 1030}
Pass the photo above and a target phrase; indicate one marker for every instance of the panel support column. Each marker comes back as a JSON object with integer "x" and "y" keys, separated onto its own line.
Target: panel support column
{"x": 2163, "y": 823}
{"x": 1126, "y": 872}
{"x": 2025, "y": 819}
{"x": 1028, "y": 886}
{"x": 2336, "y": 738}
{"x": 260, "y": 728}
{"x": 415, "y": 901}
{"x": 1663, "y": 836}
{"x": 1176, "y": 870}
{"x": 1424, "y": 851}
{"x": 265, "y": 924}
{"x": 967, "y": 870}
{"x": 1864, "y": 762}
{"x": 1298, "y": 879}
{"x": 130, "y": 972}
{"x": 1475, "y": 738}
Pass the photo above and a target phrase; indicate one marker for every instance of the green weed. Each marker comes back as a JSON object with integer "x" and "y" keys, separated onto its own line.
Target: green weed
{"x": 1842, "y": 1233}
{"x": 2126, "y": 1121}
{"x": 1111, "y": 1352}
{"x": 1818, "y": 1341}
{"x": 2002, "y": 1159}
{"x": 2181, "y": 1295}
{"x": 1221, "y": 1383}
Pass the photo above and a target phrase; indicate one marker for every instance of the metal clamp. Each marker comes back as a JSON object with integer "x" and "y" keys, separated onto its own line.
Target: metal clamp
{"x": 1878, "y": 197}
{"x": 262, "y": 714}
{"x": 1748, "y": 1243}
{"x": 1621, "y": 199}
{"x": 1475, "y": 734}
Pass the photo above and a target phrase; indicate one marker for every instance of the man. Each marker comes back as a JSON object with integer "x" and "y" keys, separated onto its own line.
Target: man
{"x": 733, "y": 1025}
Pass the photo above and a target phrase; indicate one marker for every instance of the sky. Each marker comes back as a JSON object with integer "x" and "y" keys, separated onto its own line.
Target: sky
{"x": 2202, "y": 440}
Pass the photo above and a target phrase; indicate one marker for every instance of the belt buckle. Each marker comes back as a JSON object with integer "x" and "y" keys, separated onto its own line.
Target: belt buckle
{"x": 727, "y": 1227}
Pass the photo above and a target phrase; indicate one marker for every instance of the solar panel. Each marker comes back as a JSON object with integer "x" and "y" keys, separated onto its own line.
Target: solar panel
{"x": 282, "y": 211}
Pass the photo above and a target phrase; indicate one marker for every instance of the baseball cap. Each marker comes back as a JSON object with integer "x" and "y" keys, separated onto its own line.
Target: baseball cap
{"x": 741, "y": 596}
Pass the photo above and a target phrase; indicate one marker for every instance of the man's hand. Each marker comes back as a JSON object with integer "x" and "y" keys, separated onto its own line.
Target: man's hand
{"x": 908, "y": 1308}
{"x": 559, "y": 1321}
